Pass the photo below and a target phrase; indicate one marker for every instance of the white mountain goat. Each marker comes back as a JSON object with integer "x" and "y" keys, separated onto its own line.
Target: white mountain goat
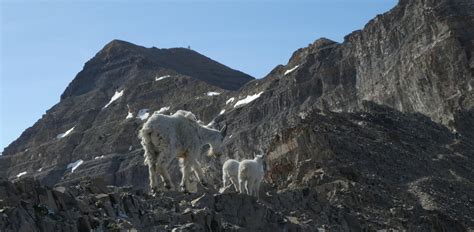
{"x": 230, "y": 173}
{"x": 251, "y": 174}
{"x": 165, "y": 137}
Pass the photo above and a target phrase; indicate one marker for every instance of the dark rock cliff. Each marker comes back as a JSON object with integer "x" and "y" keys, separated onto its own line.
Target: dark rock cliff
{"x": 376, "y": 132}
{"x": 145, "y": 79}
{"x": 119, "y": 61}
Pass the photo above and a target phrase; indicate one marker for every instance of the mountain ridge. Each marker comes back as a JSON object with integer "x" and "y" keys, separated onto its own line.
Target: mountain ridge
{"x": 118, "y": 54}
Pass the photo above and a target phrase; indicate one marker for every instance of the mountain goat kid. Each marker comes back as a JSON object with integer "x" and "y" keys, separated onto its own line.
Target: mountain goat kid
{"x": 251, "y": 174}
{"x": 230, "y": 173}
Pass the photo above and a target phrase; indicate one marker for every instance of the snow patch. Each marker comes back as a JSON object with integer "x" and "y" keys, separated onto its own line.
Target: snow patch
{"x": 291, "y": 70}
{"x": 143, "y": 114}
{"x": 230, "y": 136}
{"x": 75, "y": 165}
{"x": 62, "y": 135}
{"x": 247, "y": 100}
{"x": 129, "y": 115}
{"x": 40, "y": 169}
{"x": 163, "y": 109}
{"x": 222, "y": 111}
{"x": 99, "y": 157}
{"x": 230, "y": 100}
{"x": 162, "y": 77}
{"x": 210, "y": 94}
{"x": 116, "y": 96}
{"x": 21, "y": 174}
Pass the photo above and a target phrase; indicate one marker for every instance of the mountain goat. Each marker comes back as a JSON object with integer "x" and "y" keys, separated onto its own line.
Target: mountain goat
{"x": 165, "y": 137}
{"x": 251, "y": 174}
{"x": 230, "y": 173}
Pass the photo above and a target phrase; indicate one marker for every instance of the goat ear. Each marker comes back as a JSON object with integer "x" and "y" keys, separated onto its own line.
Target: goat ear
{"x": 224, "y": 130}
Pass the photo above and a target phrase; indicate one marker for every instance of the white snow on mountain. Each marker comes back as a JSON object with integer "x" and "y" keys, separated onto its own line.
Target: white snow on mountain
{"x": 21, "y": 174}
{"x": 247, "y": 100}
{"x": 230, "y": 100}
{"x": 62, "y": 135}
{"x": 74, "y": 165}
{"x": 143, "y": 114}
{"x": 129, "y": 115}
{"x": 162, "y": 77}
{"x": 291, "y": 70}
{"x": 210, "y": 94}
{"x": 116, "y": 96}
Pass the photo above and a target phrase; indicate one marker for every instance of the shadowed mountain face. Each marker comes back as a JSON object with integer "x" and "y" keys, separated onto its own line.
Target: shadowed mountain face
{"x": 105, "y": 105}
{"x": 367, "y": 134}
{"x": 117, "y": 61}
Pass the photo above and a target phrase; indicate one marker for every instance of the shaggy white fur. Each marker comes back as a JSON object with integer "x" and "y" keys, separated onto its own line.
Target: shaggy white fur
{"x": 230, "y": 173}
{"x": 165, "y": 137}
{"x": 251, "y": 174}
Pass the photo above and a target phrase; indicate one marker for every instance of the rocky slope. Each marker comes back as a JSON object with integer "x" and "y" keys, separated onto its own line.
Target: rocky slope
{"x": 371, "y": 170}
{"x": 376, "y": 132}
{"x": 141, "y": 81}
{"x": 91, "y": 205}
{"x": 370, "y": 65}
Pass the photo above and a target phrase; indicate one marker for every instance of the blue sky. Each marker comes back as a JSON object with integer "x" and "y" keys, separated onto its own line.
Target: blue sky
{"x": 44, "y": 44}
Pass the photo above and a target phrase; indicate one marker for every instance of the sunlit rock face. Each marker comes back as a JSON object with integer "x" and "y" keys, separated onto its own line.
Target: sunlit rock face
{"x": 421, "y": 62}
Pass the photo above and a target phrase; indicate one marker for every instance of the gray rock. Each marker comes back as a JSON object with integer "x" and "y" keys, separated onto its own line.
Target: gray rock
{"x": 188, "y": 228}
{"x": 374, "y": 133}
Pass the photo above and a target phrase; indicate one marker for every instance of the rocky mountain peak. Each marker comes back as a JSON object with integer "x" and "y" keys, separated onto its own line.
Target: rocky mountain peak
{"x": 119, "y": 61}
{"x": 321, "y": 43}
{"x": 117, "y": 48}
{"x": 301, "y": 55}
{"x": 117, "y": 43}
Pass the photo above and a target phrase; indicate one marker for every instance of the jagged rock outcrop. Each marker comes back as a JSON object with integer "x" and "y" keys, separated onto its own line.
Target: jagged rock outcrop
{"x": 391, "y": 164}
{"x": 372, "y": 133}
{"x": 415, "y": 58}
{"x": 90, "y": 205}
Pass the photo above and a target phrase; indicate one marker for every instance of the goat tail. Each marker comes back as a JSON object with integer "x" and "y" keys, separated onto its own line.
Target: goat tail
{"x": 145, "y": 137}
